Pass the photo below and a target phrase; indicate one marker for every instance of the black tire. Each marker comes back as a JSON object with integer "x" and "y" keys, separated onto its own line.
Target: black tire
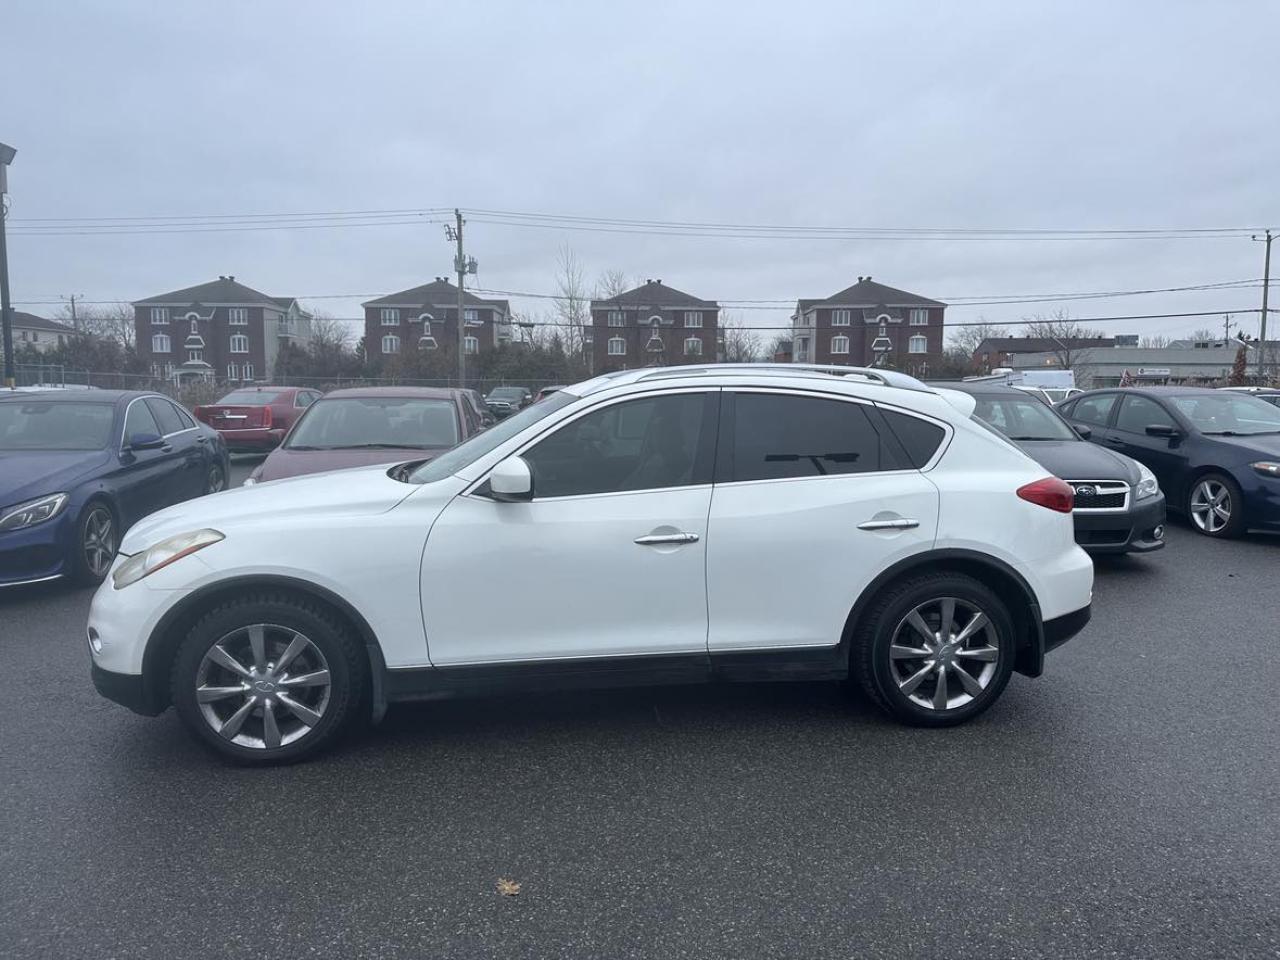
{"x": 872, "y": 666}
{"x": 81, "y": 560}
{"x": 341, "y": 651}
{"x": 215, "y": 480}
{"x": 1203, "y": 524}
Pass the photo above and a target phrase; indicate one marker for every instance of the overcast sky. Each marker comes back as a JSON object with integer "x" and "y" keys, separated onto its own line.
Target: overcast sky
{"x": 961, "y": 115}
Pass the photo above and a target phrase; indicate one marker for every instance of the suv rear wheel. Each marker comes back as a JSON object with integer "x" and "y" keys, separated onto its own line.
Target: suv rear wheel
{"x": 935, "y": 649}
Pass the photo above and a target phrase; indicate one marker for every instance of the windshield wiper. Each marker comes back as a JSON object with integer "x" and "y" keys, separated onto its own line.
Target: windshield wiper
{"x": 380, "y": 446}
{"x": 1040, "y": 438}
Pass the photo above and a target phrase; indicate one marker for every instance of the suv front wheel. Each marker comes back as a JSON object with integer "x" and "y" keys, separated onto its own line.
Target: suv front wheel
{"x": 935, "y": 649}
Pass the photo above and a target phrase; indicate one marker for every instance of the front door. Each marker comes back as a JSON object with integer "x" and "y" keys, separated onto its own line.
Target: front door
{"x": 1162, "y": 455}
{"x": 608, "y": 559}
{"x": 148, "y": 478}
{"x": 815, "y": 495}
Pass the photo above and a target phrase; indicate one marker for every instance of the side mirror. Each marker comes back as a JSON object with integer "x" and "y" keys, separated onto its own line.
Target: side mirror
{"x": 1082, "y": 431}
{"x": 511, "y": 481}
{"x": 145, "y": 441}
{"x": 1162, "y": 430}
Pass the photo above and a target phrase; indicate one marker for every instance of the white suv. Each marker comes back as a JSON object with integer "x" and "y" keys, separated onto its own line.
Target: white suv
{"x": 663, "y": 525}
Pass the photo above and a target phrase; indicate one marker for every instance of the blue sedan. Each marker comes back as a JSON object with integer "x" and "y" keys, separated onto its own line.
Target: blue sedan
{"x": 77, "y": 469}
{"x": 1216, "y": 453}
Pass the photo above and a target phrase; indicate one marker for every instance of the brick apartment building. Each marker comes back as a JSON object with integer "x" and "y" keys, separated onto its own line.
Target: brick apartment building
{"x": 650, "y": 326}
{"x": 426, "y": 318}
{"x": 869, "y": 324}
{"x": 221, "y": 330}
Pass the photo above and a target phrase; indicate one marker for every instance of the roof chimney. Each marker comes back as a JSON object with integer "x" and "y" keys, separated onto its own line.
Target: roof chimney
{"x": 231, "y": 277}
{"x": 221, "y": 277}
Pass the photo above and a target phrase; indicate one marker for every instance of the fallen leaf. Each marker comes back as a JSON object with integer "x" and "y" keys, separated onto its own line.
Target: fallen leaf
{"x": 508, "y": 888}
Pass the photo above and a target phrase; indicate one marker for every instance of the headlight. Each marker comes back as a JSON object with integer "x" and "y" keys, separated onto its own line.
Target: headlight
{"x": 33, "y": 511}
{"x": 1148, "y": 486}
{"x": 161, "y": 555}
{"x": 1268, "y": 468}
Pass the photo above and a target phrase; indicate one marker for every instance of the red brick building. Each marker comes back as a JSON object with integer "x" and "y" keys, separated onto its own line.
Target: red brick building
{"x": 651, "y": 326}
{"x": 221, "y": 330}
{"x": 869, "y": 324}
{"x": 426, "y": 318}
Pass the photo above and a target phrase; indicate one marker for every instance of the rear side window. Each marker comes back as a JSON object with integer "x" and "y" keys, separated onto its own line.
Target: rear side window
{"x": 920, "y": 439}
{"x": 1096, "y": 410}
{"x": 139, "y": 420}
{"x": 166, "y": 415}
{"x": 781, "y": 437}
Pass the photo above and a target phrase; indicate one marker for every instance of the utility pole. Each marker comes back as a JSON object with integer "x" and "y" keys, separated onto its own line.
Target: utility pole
{"x": 1226, "y": 328}
{"x": 1266, "y": 286}
{"x": 75, "y": 321}
{"x": 7, "y": 154}
{"x": 461, "y": 265}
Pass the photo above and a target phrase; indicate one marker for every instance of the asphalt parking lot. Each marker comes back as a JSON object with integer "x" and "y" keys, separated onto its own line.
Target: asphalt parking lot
{"x": 1123, "y": 805}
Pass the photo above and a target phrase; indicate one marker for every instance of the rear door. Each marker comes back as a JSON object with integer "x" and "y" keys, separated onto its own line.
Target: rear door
{"x": 189, "y": 446}
{"x": 1094, "y": 412}
{"x": 814, "y": 497}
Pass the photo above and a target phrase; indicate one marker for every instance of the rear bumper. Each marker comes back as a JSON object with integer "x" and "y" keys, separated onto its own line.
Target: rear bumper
{"x": 1131, "y": 531}
{"x": 127, "y": 689}
{"x": 1061, "y": 629}
{"x": 252, "y": 439}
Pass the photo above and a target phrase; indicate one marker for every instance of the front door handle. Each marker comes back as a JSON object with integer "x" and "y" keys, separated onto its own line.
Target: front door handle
{"x": 1114, "y": 441}
{"x": 659, "y": 538}
{"x": 901, "y": 523}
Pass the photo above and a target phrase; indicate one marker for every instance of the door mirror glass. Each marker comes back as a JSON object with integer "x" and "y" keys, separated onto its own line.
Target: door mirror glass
{"x": 146, "y": 441}
{"x": 1084, "y": 432}
{"x": 1161, "y": 430}
{"x": 511, "y": 480}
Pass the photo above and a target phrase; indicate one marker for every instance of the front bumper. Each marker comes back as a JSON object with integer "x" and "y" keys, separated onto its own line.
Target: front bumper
{"x": 37, "y": 553}
{"x": 252, "y": 440}
{"x": 126, "y": 689}
{"x": 1136, "y": 530}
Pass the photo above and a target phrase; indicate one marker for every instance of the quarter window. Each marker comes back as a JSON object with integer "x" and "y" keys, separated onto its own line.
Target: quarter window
{"x": 640, "y": 444}
{"x": 920, "y": 439}
{"x": 1095, "y": 410}
{"x": 1137, "y": 413}
{"x": 780, "y": 437}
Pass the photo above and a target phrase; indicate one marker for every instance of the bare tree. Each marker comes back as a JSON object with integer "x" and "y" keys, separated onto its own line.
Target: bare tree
{"x": 1204, "y": 333}
{"x": 330, "y": 333}
{"x": 779, "y": 343}
{"x": 113, "y": 321}
{"x": 611, "y": 283}
{"x": 1062, "y": 333}
{"x": 969, "y": 337}
{"x": 573, "y": 308}
{"x": 1154, "y": 342}
{"x": 738, "y": 342}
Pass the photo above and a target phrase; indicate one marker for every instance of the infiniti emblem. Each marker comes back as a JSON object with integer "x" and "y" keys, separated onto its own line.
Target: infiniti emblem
{"x": 264, "y": 686}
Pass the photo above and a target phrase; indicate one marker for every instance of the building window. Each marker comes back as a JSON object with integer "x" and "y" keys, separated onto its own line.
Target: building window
{"x": 802, "y": 349}
{"x": 160, "y": 343}
{"x": 425, "y": 319}
{"x": 918, "y": 344}
{"x": 35, "y": 336}
{"x": 839, "y": 318}
{"x": 233, "y": 371}
{"x": 692, "y": 318}
{"x": 840, "y": 344}
{"x": 238, "y": 316}
{"x": 693, "y": 347}
{"x": 617, "y": 347}
{"x": 884, "y": 331}
{"x": 919, "y": 317}
{"x": 390, "y": 343}
{"x": 195, "y": 326}
{"x": 159, "y": 314}
{"x": 239, "y": 343}
{"x": 615, "y": 318}
{"x": 195, "y": 356}
{"x": 470, "y": 315}
{"x": 246, "y": 372}
{"x": 427, "y": 341}
{"x": 471, "y": 344}
{"x": 390, "y": 317}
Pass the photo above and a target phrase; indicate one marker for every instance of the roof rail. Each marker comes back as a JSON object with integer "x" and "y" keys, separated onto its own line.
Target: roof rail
{"x": 888, "y": 378}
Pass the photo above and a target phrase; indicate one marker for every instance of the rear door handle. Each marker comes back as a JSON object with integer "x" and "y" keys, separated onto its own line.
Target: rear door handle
{"x": 659, "y": 538}
{"x": 901, "y": 523}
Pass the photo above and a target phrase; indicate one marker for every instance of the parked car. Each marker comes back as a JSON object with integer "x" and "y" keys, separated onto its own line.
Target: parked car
{"x": 367, "y": 425}
{"x": 476, "y": 400}
{"x": 548, "y": 391}
{"x": 1215, "y": 453}
{"x": 1118, "y": 504}
{"x": 1270, "y": 394}
{"x": 77, "y": 468}
{"x": 504, "y": 401}
{"x": 861, "y": 526}
{"x": 255, "y": 419}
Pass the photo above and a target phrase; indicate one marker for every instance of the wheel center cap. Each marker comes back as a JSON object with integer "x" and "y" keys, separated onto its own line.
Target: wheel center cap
{"x": 264, "y": 686}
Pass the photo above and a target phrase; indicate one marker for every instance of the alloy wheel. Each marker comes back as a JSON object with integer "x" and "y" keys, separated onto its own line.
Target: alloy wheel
{"x": 944, "y": 654}
{"x": 99, "y": 543}
{"x": 1211, "y": 506}
{"x": 216, "y": 481}
{"x": 263, "y": 686}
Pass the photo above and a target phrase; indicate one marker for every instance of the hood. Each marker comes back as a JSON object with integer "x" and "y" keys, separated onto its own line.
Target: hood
{"x": 362, "y": 492}
{"x": 283, "y": 462}
{"x": 1080, "y": 460}
{"x": 1264, "y": 446}
{"x": 27, "y": 474}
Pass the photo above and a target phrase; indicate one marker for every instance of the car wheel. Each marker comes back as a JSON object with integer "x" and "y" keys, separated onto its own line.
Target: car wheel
{"x": 934, "y": 650}
{"x": 95, "y": 544}
{"x": 268, "y": 678}
{"x": 1215, "y": 506}
{"x": 216, "y": 479}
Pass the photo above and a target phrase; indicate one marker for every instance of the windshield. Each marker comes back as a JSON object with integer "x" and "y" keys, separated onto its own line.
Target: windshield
{"x": 506, "y": 393}
{"x": 55, "y": 426}
{"x": 346, "y": 422}
{"x": 1022, "y": 418}
{"x": 252, "y": 398}
{"x": 482, "y": 443}
{"x": 1229, "y": 414}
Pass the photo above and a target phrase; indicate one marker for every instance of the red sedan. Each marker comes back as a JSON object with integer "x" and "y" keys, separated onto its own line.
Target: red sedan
{"x": 256, "y": 419}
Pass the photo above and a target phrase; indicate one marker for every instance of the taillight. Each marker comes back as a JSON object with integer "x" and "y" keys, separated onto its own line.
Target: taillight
{"x": 266, "y": 417}
{"x": 1050, "y": 492}
{"x": 202, "y": 414}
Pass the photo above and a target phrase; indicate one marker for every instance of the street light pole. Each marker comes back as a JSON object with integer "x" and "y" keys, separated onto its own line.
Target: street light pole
{"x": 7, "y": 154}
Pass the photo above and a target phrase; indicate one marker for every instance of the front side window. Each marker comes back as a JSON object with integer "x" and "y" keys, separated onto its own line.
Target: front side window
{"x": 1021, "y": 418}
{"x": 239, "y": 343}
{"x": 238, "y": 316}
{"x": 642, "y": 444}
{"x": 840, "y": 318}
{"x": 617, "y": 347}
{"x": 918, "y": 317}
{"x": 390, "y": 316}
{"x": 786, "y": 437}
{"x": 55, "y": 425}
{"x": 159, "y": 314}
{"x": 1225, "y": 415}
{"x": 840, "y": 344}
{"x": 692, "y": 318}
{"x": 918, "y": 345}
{"x": 1137, "y": 413}
{"x": 160, "y": 343}
{"x": 391, "y": 344}
{"x": 1095, "y": 410}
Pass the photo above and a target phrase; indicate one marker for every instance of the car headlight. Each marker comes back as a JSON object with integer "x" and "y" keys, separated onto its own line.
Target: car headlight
{"x": 1148, "y": 485}
{"x": 33, "y": 511}
{"x": 162, "y": 554}
{"x": 1268, "y": 468}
